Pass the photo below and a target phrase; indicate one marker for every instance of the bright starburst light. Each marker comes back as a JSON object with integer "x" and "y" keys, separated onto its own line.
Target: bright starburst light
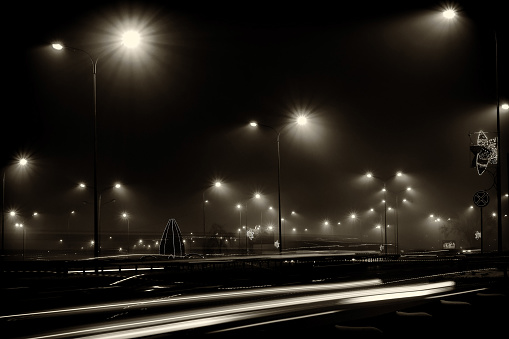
{"x": 302, "y": 120}
{"x": 449, "y": 13}
{"x": 131, "y": 39}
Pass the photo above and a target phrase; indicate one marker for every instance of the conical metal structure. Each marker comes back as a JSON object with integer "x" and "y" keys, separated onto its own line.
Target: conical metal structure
{"x": 171, "y": 241}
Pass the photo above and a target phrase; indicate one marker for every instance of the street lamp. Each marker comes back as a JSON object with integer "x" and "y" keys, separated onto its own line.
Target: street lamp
{"x": 301, "y": 120}
{"x": 450, "y": 14}
{"x": 100, "y": 203}
{"x": 239, "y": 207}
{"x": 370, "y": 175}
{"x": 217, "y": 184}
{"x": 22, "y": 162}
{"x": 130, "y": 40}
{"x": 68, "y": 227}
{"x": 397, "y": 213}
{"x": 20, "y": 225}
{"x": 126, "y": 216}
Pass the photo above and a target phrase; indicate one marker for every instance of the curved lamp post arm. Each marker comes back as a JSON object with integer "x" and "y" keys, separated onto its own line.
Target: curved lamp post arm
{"x": 59, "y": 47}
{"x": 301, "y": 121}
{"x": 96, "y": 203}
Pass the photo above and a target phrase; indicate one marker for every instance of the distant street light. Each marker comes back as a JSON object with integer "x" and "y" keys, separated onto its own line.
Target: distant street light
{"x": 130, "y": 40}
{"x": 301, "y": 120}
{"x": 216, "y": 184}
{"x": 397, "y": 214}
{"x": 239, "y": 207}
{"x": 370, "y": 175}
{"x": 21, "y": 162}
{"x": 20, "y": 225}
{"x": 126, "y": 216}
{"x": 100, "y": 203}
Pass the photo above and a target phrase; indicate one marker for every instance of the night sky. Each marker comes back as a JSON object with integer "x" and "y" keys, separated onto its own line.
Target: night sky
{"x": 386, "y": 87}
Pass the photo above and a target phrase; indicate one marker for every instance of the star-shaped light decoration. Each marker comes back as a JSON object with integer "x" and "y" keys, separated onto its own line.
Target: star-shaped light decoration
{"x": 276, "y": 244}
{"x": 477, "y": 235}
{"x": 485, "y": 152}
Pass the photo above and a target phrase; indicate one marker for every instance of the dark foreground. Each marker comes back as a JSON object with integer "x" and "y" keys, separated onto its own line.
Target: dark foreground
{"x": 304, "y": 296}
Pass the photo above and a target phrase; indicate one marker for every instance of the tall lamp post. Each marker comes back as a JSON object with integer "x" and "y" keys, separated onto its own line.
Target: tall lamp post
{"x": 216, "y": 184}
{"x": 370, "y": 175}
{"x": 20, "y": 225}
{"x": 126, "y": 216}
{"x": 450, "y": 14}
{"x": 239, "y": 207}
{"x": 130, "y": 39}
{"x": 301, "y": 120}
{"x": 21, "y": 162}
{"x": 397, "y": 213}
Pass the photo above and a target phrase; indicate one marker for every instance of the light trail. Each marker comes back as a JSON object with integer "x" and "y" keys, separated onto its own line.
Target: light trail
{"x": 202, "y": 298}
{"x": 215, "y": 315}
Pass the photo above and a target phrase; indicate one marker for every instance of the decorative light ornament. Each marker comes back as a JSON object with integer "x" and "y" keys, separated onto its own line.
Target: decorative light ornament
{"x": 477, "y": 235}
{"x": 485, "y": 152}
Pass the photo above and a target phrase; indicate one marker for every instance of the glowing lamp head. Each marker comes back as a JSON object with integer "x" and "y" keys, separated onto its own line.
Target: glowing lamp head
{"x": 23, "y": 161}
{"x": 131, "y": 39}
{"x": 253, "y": 124}
{"x": 58, "y": 47}
{"x": 449, "y": 13}
{"x": 302, "y": 120}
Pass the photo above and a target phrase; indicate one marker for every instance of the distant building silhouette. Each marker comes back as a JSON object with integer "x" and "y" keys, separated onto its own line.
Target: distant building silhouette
{"x": 172, "y": 242}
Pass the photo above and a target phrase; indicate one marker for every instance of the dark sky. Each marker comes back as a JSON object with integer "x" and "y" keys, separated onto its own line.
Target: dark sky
{"x": 386, "y": 87}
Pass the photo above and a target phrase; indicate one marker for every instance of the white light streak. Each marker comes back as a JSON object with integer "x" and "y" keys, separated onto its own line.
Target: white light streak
{"x": 392, "y": 293}
{"x": 207, "y": 316}
{"x": 204, "y": 297}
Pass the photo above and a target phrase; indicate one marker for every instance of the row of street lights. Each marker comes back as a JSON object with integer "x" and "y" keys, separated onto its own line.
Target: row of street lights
{"x": 130, "y": 40}
{"x": 240, "y": 206}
